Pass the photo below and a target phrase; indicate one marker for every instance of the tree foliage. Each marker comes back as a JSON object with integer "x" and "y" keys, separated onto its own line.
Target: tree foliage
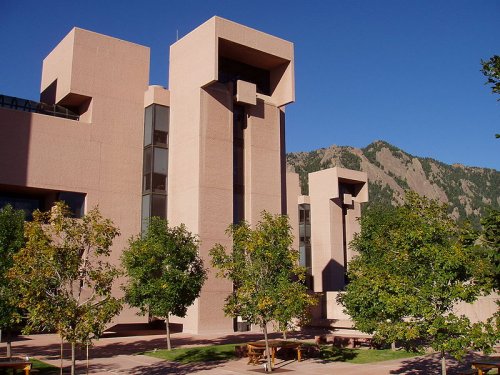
{"x": 164, "y": 269}
{"x": 414, "y": 264}
{"x": 490, "y": 240}
{"x": 268, "y": 282}
{"x": 64, "y": 276}
{"x": 491, "y": 69}
{"x": 11, "y": 241}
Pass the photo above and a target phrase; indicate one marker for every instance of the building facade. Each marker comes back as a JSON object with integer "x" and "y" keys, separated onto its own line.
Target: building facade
{"x": 207, "y": 152}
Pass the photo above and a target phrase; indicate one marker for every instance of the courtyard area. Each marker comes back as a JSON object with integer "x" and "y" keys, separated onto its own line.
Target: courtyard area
{"x": 123, "y": 353}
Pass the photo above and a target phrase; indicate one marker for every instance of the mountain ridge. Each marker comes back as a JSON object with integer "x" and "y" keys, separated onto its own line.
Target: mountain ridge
{"x": 468, "y": 191}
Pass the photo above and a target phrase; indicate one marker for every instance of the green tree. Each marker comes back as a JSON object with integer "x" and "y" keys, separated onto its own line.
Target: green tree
{"x": 413, "y": 265}
{"x": 491, "y": 69}
{"x": 490, "y": 239}
{"x": 11, "y": 241}
{"x": 268, "y": 282}
{"x": 64, "y": 277}
{"x": 165, "y": 271}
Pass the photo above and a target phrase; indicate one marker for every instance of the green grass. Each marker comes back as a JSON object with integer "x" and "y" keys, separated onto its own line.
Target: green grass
{"x": 328, "y": 353}
{"x": 196, "y": 354}
{"x": 43, "y": 368}
{"x": 360, "y": 356}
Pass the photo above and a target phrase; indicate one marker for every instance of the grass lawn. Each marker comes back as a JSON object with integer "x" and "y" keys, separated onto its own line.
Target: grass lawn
{"x": 43, "y": 368}
{"x": 328, "y": 353}
{"x": 361, "y": 356}
{"x": 197, "y": 354}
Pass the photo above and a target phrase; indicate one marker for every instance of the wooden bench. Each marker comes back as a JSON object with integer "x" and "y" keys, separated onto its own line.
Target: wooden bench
{"x": 16, "y": 364}
{"x": 255, "y": 354}
{"x": 345, "y": 340}
{"x": 241, "y": 351}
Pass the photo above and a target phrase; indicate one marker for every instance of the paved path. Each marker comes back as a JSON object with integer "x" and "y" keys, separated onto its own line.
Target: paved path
{"x": 118, "y": 355}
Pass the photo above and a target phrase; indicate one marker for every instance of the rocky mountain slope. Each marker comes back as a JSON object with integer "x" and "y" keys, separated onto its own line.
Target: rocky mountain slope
{"x": 467, "y": 190}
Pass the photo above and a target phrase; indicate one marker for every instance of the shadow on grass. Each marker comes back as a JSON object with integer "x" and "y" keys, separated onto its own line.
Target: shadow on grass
{"x": 196, "y": 354}
{"x": 333, "y": 354}
{"x": 209, "y": 355}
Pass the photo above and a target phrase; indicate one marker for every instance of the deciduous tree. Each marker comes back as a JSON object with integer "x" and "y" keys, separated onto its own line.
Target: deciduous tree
{"x": 268, "y": 281}
{"x": 11, "y": 241}
{"x": 165, "y": 271}
{"x": 414, "y": 265}
{"x": 491, "y": 69}
{"x": 64, "y": 276}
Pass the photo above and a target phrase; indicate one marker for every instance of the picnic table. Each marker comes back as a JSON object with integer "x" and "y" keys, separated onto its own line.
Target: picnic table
{"x": 16, "y": 364}
{"x": 346, "y": 340}
{"x": 256, "y": 349}
{"x": 486, "y": 364}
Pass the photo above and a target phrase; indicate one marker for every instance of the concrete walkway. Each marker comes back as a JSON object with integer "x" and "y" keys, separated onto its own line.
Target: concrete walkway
{"x": 119, "y": 355}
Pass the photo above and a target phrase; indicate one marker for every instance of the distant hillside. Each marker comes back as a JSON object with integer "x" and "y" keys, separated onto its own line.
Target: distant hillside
{"x": 391, "y": 171}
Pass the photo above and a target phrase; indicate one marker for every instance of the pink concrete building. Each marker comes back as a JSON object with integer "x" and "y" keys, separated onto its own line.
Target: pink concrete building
{"x": 207, "y": 152}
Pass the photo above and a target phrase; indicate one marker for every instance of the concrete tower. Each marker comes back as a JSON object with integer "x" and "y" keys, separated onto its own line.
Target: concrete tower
{"x": 228, "y": 86}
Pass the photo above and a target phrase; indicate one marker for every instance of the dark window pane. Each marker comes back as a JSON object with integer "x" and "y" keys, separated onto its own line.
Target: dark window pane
{"x": 148, "y": 125}
{"x": 160, "y": 138}
{"x": 147, "y": 160}
{"x": 159, "y": 206}
{"x": 146, "y": 182}
{"x": 160, "y": 160}
{"x": 159, "y": 182}
{"x": 161, "y": 117}
{"x": 146, "y": 211}
{"x": 302, "y": 256}
{"x": 75, "y": 202}
{"x": 28, "y": 205}
{"x": 301, "y": 215}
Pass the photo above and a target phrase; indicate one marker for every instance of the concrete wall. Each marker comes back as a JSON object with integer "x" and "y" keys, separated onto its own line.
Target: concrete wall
{"x": 200, "y": 192}
{"x": 105, "y": 80}
{"x": 100, "y": 155}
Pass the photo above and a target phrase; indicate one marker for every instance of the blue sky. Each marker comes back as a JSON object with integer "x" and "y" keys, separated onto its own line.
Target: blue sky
{"x": 406, "y": 72}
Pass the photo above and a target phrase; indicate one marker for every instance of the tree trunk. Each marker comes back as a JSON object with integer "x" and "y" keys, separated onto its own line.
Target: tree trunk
{"x": 284, "y": 335}
{"x": 62, "y": 344}
{"x": 87, "y": 359}
{"x": 9, "y": 343}
{"x": 73, "y": 359}
{"x": 169, "y": 347}
{"x": 9, "y": 349}
{"x": 268, "y": 356}
{"x": 393, "y": 346}
{"x": 443, "y": 363}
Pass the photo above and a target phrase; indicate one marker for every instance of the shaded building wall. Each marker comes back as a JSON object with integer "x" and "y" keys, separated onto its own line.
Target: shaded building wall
{"x": 103, "y": 79}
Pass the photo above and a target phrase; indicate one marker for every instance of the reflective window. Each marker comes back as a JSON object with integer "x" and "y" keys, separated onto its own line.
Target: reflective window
{"x": 148, "y": 125}
{"x": 305, "y": 241}
{"x": 160, "y": 160}
{"x": 155, "y": 162}
{"x": 28, "y": 205}
{"x": 42, "y": 199}
{"x": 75, "y": 202}
{"x": 162, "y": 114}
{"x": 159, "y": 182}
{"x": 159, "y": 205}
{"x": 146, "y": 211}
